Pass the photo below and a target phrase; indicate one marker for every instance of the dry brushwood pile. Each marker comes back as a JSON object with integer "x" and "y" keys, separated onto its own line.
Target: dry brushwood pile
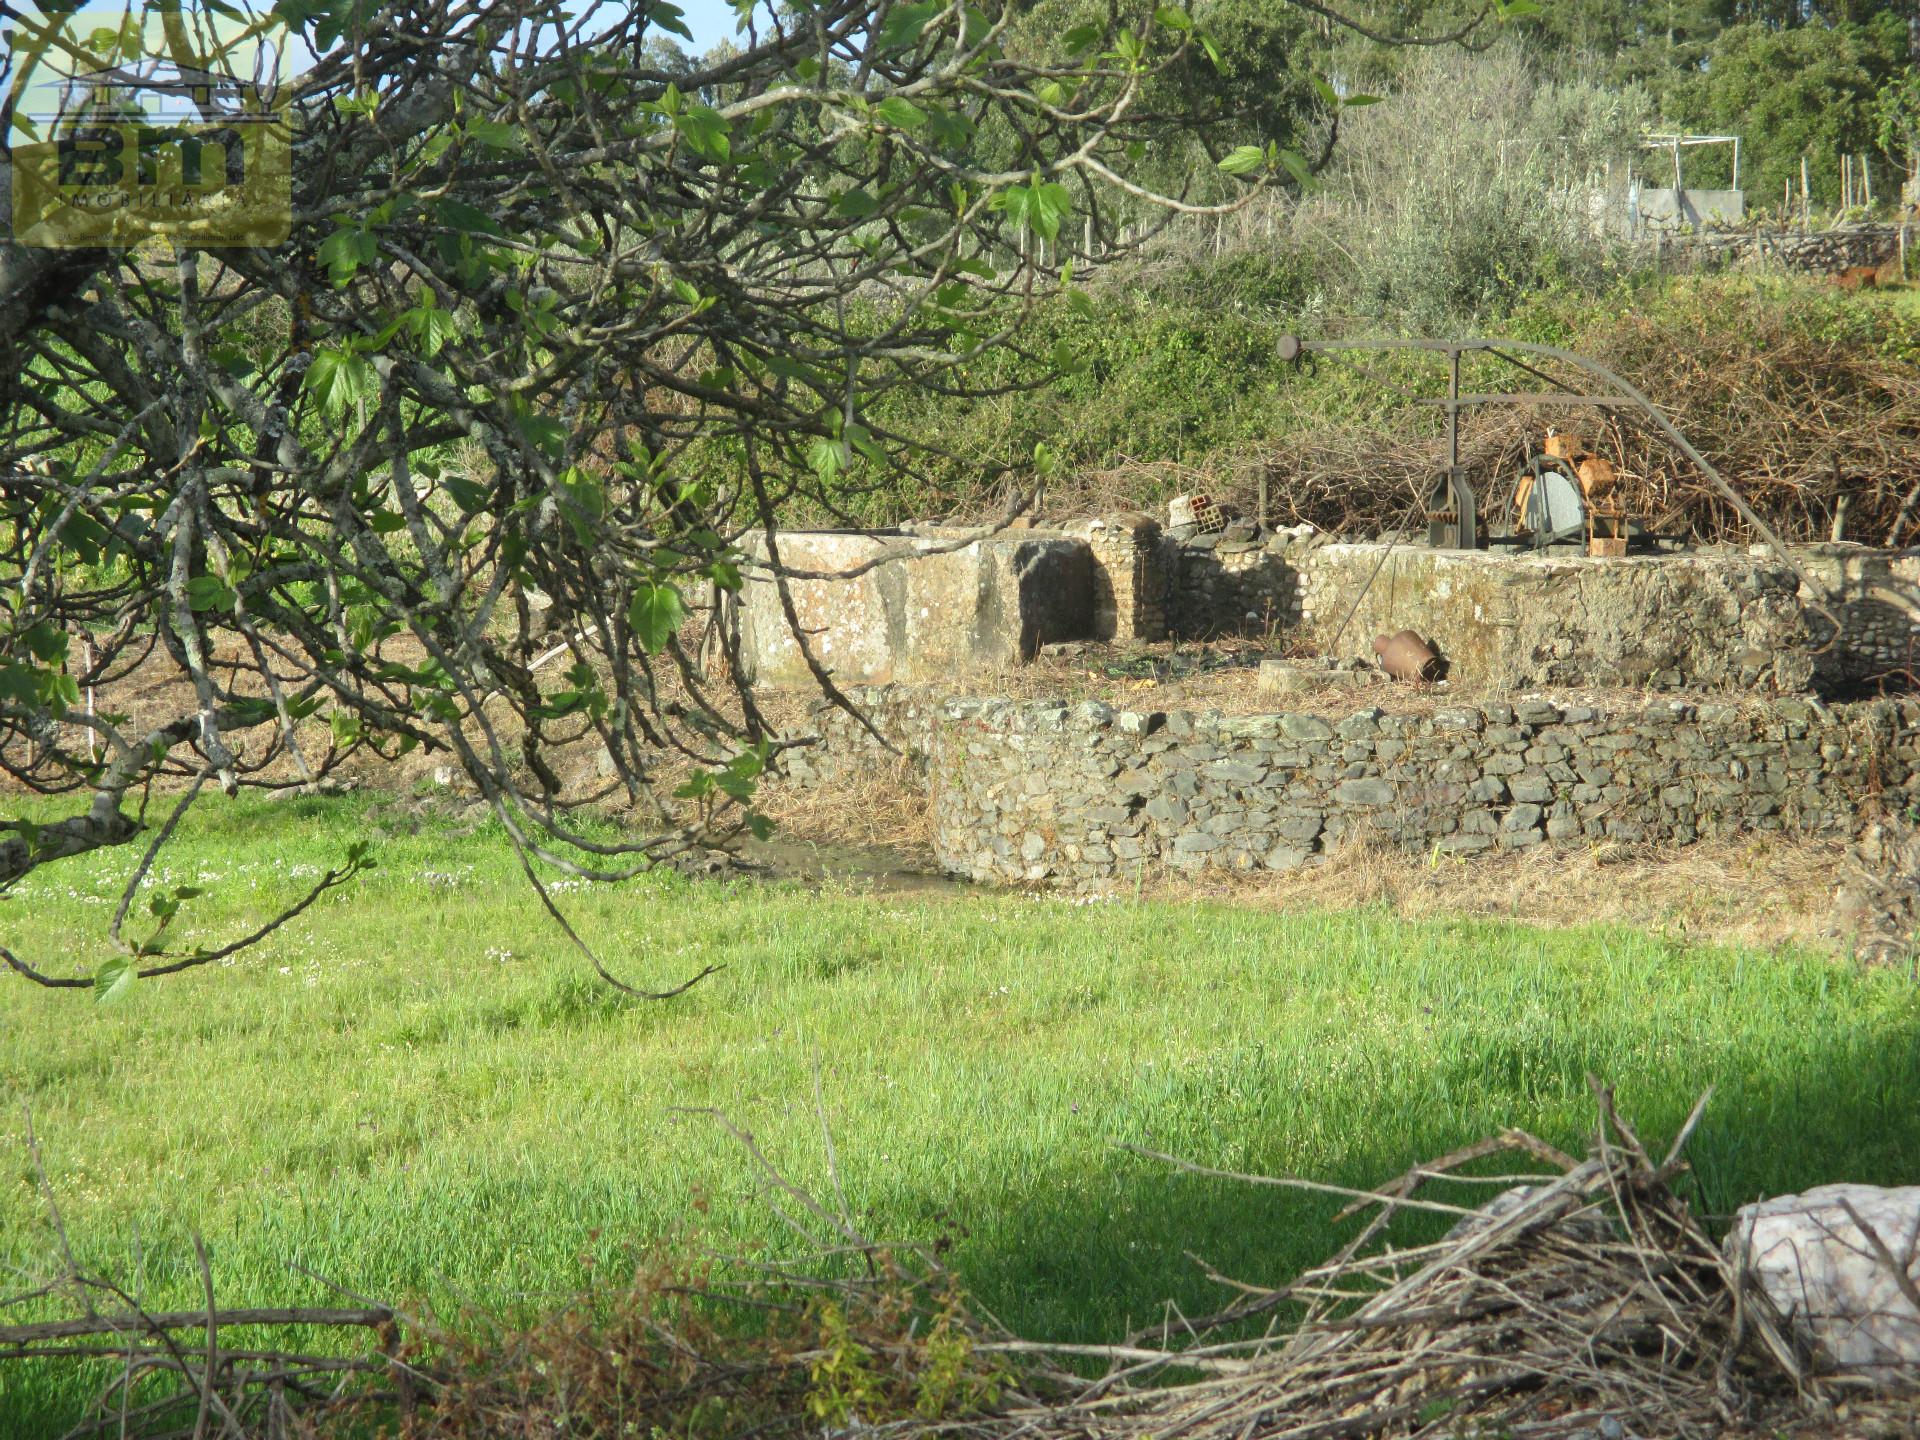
{"x": 1584, "y": 1300}
{"x": 1876, "y": 908}
{"x": 1794, "y": 420}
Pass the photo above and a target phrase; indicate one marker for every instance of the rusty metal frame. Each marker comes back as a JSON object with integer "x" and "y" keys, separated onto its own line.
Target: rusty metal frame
{"x": 1618, "y": 394}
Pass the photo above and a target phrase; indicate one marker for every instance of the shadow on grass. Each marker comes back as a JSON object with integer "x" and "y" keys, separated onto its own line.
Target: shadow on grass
{"x": 1090, "y": 1256}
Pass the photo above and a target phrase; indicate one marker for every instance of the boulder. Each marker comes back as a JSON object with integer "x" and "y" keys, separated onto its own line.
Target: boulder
{"x": 1810, "y": 1257}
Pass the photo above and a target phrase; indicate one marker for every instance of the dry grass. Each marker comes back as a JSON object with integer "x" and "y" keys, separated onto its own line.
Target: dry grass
{"x": 883, "y": 807}
{"x": 1757, "y": 891}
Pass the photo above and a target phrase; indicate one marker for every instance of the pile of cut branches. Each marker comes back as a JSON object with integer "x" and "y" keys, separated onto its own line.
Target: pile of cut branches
{"x": 1796, "y": 418}
{"x": 1585, "y": 1299}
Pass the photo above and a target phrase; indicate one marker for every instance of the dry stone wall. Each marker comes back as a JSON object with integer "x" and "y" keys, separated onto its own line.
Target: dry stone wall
{"x": 1876, "y": 594}
{"x": 1227, "y": 585}
{"x": 1130, "y": 582}
{"x": 1085, "y": 796}
{"x": 1819, "y": 251}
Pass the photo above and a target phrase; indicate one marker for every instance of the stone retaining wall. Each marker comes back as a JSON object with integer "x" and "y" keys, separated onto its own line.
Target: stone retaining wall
{"x": 1821, "y": 252}
{"x": 1084, "y": 796}
{"x": 1878, "y": 603}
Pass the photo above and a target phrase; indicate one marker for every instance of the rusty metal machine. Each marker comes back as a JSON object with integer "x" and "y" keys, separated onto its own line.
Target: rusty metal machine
{"x": 1563, "y": 496}
{"x": 1569, "y": 494}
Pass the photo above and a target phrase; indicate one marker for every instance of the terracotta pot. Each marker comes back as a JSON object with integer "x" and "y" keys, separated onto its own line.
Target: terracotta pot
{"x": 1406, "y": 656}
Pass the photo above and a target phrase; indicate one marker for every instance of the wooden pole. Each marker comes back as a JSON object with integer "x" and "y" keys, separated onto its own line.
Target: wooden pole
{"x": 1804, "y": 215}
{"x": 1866, "y": 179}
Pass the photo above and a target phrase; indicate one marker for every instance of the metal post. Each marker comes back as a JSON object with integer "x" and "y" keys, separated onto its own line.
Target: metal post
{"x": 1453, "y": 414}
{"x": 1466, "y": 522}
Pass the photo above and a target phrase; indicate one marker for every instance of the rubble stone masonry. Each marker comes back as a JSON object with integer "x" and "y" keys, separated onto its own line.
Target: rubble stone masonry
{"x": 1085, "y": 796}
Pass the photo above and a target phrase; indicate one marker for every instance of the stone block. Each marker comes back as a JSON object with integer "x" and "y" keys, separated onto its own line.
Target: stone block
{"x": 1534, "y": 788}
{"x": 1167, "y": 809}
{"x": 1286, "y": 857}
{"x": 1195, "y": 842}
{"x": 1236, "y": 772}
{"x": 1364, "y": 793}
{"x": 1305, "y": 727}
{"x": 1522, "y": 817}
{"x": 919, "y": 613}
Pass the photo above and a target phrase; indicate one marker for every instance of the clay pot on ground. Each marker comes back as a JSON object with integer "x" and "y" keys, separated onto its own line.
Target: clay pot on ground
{"x": 1405, "y": 656}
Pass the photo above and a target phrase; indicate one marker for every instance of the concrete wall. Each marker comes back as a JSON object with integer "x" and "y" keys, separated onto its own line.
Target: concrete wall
{"x": 1086, "y": 796}
{"x": 1712, "y": 621}
{"x": 920, "y": 615}
{"x": 1726, "y": 621}
{"x": 1658, "y": 208}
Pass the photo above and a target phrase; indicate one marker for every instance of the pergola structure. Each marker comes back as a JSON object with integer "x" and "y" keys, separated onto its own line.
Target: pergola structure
{"x": 1676, "y": 143}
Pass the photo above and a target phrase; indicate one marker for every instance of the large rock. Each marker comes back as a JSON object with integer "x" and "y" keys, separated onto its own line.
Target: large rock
{"x": 1810, "y": 1258}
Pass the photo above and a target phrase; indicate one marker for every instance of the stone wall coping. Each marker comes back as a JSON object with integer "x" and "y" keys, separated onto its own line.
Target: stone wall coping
{"x": 1533, "y": 712}
{"x": 1554, "y": 562}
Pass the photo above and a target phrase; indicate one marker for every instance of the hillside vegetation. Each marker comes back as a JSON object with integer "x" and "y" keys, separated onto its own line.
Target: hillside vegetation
{"x": 1795, "y": 390}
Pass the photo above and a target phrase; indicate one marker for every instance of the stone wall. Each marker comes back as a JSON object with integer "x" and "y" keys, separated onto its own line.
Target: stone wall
{"x": 1878, "y": 605}
{"x": 1727, "y": 621}
{"x": 1820, "y": 252}
{"x": 1708, "y": 621}
{"x": 1130, "y": 579}
{"x": 1229, "y": 585}
{"x": 1084, "y": 796}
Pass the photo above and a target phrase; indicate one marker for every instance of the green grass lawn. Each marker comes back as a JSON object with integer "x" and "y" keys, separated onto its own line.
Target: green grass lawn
{"x": 416, "y": 1091}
